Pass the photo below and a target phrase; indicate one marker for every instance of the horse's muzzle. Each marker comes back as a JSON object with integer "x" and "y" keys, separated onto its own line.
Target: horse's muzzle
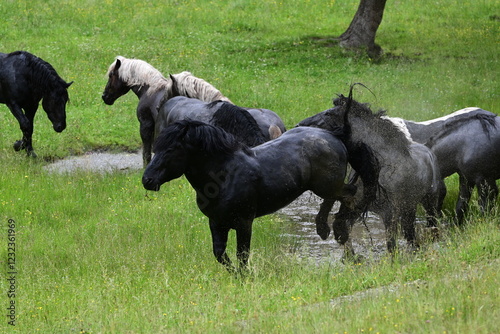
{"x": 150, "y": 184}
{"x": 108, "y": 100}
{"x": 59, "y": 127}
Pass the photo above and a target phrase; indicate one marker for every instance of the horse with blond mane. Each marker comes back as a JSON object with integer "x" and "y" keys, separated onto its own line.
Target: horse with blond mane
{"x": 153, "y": 89}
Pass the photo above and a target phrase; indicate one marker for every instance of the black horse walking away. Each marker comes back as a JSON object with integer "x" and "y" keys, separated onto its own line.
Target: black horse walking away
{"x": 25, "y": 80}
{"x": 235, "y": 184}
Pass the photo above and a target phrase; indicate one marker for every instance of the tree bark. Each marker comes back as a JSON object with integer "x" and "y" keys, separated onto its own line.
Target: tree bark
{"x": 363, "y": 28}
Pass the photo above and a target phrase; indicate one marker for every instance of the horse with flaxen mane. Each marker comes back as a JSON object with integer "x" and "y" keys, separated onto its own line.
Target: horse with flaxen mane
{"x": 153, "y": 90}
{"x": 235, "y": 184}
{"x": 397, "y": 173}
{"x": 26, "y": 79}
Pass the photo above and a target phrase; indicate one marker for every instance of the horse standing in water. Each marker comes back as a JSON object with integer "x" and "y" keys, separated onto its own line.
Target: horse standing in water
{"x": 466, "y": 142}
{"x": 235, "y": 184}
{"x": 397, "y": 173}
{"x": 153, "y": 89}
{"x": 25, "y": 80}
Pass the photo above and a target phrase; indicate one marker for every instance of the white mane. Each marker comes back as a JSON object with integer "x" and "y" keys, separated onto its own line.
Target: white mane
{"x": 136, "y": 72}
{"x": 189, "y": 85}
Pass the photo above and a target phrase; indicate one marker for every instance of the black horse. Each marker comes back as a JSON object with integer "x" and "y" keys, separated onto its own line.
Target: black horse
{"x": 396, "y": 172}
{"x": 25, "y": 80}
{"x": 250, "y": 128}
{"x": 466, "y": 142}
{"x": 235, "y": 184}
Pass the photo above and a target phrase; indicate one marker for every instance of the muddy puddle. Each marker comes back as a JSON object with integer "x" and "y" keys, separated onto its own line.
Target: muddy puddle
{"x": 368, "y": 239}
{"x": 101, "y": 162}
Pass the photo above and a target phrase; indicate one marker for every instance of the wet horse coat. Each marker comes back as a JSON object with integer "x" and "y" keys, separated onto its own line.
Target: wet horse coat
{"x": 235, "y": 184}
{"x": 466, "y": 142}
{"x": 397, "y": 173}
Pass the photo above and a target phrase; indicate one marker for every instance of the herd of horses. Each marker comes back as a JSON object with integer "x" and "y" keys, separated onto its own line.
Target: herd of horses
{"x": 243, "y": 163}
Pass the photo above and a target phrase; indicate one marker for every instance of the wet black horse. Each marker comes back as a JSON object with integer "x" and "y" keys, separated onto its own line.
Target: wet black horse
{"x": 181, "y": 107}
{"x": 235, "y": 184}
{"x": 466, "y": 142}
{"x": 397, "y": 174}
{"x": 25, "y": 80}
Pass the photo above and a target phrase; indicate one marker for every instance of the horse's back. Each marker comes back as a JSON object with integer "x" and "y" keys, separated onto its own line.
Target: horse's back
{"x": 313, "y": 157}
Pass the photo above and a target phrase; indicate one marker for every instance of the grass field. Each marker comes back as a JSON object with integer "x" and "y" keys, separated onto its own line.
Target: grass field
{"x": 96, "y": 253}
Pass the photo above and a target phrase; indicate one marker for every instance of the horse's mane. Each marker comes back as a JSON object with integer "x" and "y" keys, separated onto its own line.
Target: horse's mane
{"x": 188, "y": 85}
{"x": 238, "y": 122}
{"x": 136, "y": 72}
{"x": 44, "y": 77}
{"x": 386, "y": 132}
{"x": 205, "y": 138}
{"x": 487, "y": 121}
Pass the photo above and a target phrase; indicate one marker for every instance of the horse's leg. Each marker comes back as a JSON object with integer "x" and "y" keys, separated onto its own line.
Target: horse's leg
{"x": 408, "y": 215}
{"x": 26, "y": 125}
{"x": 391, "y": 228}
{"x": 219, "y": 242}
{"x": 28, "y": 132}
{"x": 463, "y": 199}
{"x": 322, "y": 227}
{"x": 243, "y": 239}
{"x": 147, "y": 129}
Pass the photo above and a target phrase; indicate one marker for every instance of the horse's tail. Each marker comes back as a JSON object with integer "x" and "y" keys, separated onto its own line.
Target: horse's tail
{"x": 274, "y": 131}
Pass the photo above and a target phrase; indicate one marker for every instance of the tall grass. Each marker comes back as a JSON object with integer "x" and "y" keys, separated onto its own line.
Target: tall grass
{"x": 96, "y": 253}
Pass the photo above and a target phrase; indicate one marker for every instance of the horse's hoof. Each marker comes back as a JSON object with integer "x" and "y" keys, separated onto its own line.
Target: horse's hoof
{"x": 32, "y": 154}
{"x": 18, "y": 145}
{"x": 323, "y": 231}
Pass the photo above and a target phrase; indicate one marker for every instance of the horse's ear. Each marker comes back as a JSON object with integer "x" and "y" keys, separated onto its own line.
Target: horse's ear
{"x": 172, "y": 78}
{"x": 69, "y": 84}
{"x": 118, "y": 64}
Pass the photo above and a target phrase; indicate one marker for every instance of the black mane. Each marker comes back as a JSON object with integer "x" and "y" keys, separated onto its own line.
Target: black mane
{"x": 203, "y": 137}
{"x": 44, "y": 77}
{"x": 238, "y": 122}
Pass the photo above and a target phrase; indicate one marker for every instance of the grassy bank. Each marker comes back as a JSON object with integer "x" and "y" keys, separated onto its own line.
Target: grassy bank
{"x": 96, "y": 253}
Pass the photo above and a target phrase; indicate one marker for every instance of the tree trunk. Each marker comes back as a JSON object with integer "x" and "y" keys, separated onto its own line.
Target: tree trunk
{"x": 363, "y": 28}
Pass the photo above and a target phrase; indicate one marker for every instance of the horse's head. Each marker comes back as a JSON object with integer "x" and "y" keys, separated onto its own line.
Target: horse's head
{"x": 115, "y": 87}
{"x": 331, "y": 119}
{"x": 54, "y": 104}
{"x": 170, "y": 159}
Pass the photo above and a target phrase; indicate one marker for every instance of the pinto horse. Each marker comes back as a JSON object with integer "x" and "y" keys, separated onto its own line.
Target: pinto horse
{"x": 466, "y": 142}
{"x": 153, "y": 89}
{"x": 397, "y": 173}
{"x": 25, "y": 80}
{"x": 235, "y": 184}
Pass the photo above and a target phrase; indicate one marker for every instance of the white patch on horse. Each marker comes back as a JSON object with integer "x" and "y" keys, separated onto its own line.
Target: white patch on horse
{"x": 400, "y": 124}
{"x": 444, "y": 118}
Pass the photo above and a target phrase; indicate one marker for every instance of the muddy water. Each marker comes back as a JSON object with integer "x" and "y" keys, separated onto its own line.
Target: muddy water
{"x": 368, "y": 239}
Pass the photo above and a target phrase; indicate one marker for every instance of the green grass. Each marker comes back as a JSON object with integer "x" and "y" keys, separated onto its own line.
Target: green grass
{"x": 96, "y": 253}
